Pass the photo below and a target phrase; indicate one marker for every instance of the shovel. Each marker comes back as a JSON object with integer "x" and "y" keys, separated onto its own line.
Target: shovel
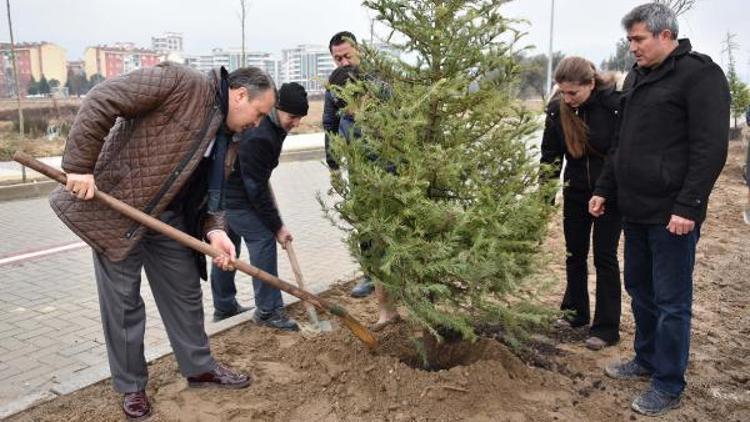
{"x": 154, "y": 224}
{"x": 318, "y": 325}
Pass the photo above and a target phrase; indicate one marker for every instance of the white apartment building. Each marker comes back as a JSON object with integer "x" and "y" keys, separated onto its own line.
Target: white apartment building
{"x": 167, "y": 42}
{"x": 232, "y": 59}
{"x": 308, "y": 65}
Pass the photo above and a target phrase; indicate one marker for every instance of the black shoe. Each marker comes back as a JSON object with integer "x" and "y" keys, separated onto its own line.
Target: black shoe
{"x": 221, "y": 315}
{"x": 364, "y": 288}
{"x": 275, "y": 319}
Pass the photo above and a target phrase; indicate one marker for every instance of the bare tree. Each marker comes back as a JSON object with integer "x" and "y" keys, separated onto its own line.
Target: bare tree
{"x": 679, "y": 6}
{"x": 243, "y": 14}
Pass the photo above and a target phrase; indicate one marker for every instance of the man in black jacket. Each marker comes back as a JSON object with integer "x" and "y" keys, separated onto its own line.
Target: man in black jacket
{"x": 672, "y": 146}
{"x": 252, "y": 214}
{"x": 345, "y": 53}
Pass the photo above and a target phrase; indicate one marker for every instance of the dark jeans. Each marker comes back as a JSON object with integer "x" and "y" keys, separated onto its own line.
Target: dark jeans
{"x": 659, "y": 279}
{"x": 577, "y": 224}
{"x": 261, "y": 243}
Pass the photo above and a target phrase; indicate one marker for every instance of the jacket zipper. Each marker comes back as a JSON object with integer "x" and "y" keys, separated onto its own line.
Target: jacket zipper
{"x": 588, "y": 164}
{"x": 165, "y": 187}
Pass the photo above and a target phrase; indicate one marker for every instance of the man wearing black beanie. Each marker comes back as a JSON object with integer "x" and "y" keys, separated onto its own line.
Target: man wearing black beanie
{"x": 251, "y": 210}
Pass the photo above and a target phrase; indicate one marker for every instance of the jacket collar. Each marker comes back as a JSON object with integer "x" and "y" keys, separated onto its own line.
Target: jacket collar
{"x": 273, "y": 116}
{"x": 595, "y": 98}
{"x": 649, "y": 76}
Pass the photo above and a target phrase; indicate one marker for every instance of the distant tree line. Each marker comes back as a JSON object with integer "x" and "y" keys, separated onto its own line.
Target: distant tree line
{"x": 78, "y": 84}
{"x": 43, "y": 86}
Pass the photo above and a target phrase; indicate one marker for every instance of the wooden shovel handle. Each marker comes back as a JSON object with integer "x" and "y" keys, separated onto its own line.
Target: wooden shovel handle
{"x": 295, "y": 265}
{"x": 300, "y": 280}
{"x": 158, "y": 226}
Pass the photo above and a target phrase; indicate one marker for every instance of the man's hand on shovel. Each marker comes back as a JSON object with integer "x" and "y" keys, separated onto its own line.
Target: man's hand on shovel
{"x": 221, "y": 241}
{"x": 81, "y": 185}
{"x": 284, "y": 236}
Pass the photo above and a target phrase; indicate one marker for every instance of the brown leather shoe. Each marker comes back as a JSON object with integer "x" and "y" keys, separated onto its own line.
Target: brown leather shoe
{"x": 222, "y": 377}
{"x": 136, "y": 406}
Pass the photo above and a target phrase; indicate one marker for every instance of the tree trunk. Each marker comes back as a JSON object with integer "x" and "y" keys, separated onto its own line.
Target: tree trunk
{"x": 453, "y": 350}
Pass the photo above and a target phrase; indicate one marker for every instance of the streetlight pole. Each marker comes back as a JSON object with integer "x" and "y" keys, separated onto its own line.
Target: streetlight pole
{"x": 18, "y": 86}
{"x": 549, "y": 56}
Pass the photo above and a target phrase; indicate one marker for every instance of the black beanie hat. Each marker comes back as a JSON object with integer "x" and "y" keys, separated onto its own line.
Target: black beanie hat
{"x": 293, "y": 99}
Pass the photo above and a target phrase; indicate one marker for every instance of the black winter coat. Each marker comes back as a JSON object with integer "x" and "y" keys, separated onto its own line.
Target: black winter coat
{"x": 672, "y": 142}
{"x": 600, "y": 113}
{"x": 248, "y": 183}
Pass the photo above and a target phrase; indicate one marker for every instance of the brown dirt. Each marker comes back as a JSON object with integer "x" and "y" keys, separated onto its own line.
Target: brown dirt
{"x": 334, "y": 378}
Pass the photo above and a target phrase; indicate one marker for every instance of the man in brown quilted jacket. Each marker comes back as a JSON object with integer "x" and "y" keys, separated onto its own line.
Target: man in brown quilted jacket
{"x": 150, "y": 138}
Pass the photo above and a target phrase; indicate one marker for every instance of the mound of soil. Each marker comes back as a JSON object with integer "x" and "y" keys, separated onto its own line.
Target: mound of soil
{"x": 332, "y": 377}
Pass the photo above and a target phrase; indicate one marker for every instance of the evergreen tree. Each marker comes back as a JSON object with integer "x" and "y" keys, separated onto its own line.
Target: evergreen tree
{"x": 83, "y": 84}
{"x": 77, "y": 83}
{"x": 738, "y": 90}
{"x": 33, "y": 87}
{"x": 622, "y": 60}
{"x": 95, "y": 79}
{"x": 441, "y": 186}
{"x": 44, "y": 87}
{"x": 534, "y": 74}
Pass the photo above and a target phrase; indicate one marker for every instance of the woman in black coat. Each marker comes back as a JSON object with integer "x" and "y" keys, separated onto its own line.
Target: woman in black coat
{"x": 581, "y": 127}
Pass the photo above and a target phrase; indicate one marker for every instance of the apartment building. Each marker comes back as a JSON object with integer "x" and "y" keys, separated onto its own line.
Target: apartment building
{"x": 114, "y": 60}
{"x": 32, "y": 60}
{"x": 308, "y": 65}
{"x": 167, "y": 42}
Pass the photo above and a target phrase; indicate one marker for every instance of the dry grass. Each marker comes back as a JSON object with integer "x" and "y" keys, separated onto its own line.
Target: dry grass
{"x": 313, "y": 122}
{"x": 10, "y": 104}
{"x": 534, "y": 105}
{"x": 38, "y": 147}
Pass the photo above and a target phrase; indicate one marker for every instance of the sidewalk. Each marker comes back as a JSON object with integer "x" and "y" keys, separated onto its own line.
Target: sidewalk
{"x": 51, "y": 339}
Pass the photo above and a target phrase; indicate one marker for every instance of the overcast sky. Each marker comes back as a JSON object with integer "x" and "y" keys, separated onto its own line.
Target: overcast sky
{"x": 588, "y": 28}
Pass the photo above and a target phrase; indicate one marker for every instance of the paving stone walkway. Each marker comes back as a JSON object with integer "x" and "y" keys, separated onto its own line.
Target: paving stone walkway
{"x": 51, "y": 338}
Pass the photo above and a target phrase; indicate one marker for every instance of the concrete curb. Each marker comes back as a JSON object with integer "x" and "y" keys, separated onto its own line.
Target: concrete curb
{"x": 26, "y": 190}
{"x": 42, "y": 188}
{"x": 93, "y": 375}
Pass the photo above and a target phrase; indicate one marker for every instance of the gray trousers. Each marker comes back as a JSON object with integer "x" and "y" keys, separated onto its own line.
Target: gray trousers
{"x": 175, "y": 284}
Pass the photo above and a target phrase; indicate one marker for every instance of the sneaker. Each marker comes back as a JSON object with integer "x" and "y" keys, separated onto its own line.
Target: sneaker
{"x": 561, "y": 324}
{"x": 654, "y": 403}
{"x": 596, "y": 343}
{"x": 567, "y": 324}
{"x": 222, "y": 315}
{"x": 364, "y": 288}
{"x": 629, "y": 370}
{"x": 275, "y": 319}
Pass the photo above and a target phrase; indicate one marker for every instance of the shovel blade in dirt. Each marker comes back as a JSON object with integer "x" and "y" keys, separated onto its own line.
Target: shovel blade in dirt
{"x": 312, "y": 315}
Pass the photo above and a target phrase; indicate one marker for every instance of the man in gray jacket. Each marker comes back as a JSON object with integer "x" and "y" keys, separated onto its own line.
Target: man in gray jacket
{"x": 150, "y": 138}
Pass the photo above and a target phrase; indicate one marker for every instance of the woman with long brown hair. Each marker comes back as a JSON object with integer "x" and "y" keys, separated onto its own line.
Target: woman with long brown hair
{"x": 579, "y": 129}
